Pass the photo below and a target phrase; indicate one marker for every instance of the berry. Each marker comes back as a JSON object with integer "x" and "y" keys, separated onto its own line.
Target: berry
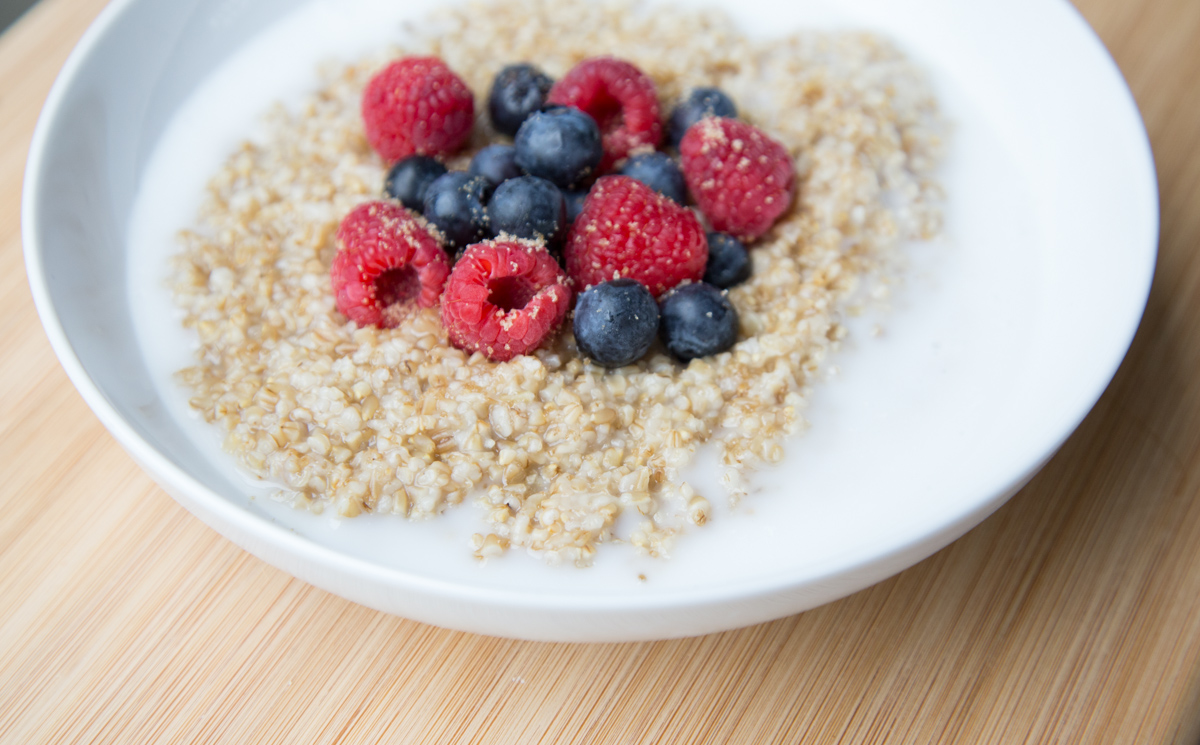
{"x": 728, "y": 261}
{"x": 627, "y": 229}
{"x": 701, "y": 102}
{"x": 454, "y": 205}
{"x": 409, "y": 179}
{"x": 417, "y": 105}
{"x": 659, "y": 172}
{"x": 561, "y": 145}
{"x": 504, "y": 298}
{"x": 518, "y": 91}
{"x": 528, "y": 207}
{"x": 697, "y": 321}
{"x": 740, "y": 178}
{"x": 385, "y": 261}
{"x": 496, "y": 163}
{"x": 574, "y": 200}
{"x": 622, "y": 100}
{"x": 615, "y": 322}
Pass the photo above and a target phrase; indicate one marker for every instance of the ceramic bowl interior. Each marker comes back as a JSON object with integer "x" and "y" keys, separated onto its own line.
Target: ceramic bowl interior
{"x": 999, "y": 343}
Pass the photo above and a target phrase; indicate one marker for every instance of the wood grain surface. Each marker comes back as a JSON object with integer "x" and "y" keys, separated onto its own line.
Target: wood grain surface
{"x": 1070, "y": 616}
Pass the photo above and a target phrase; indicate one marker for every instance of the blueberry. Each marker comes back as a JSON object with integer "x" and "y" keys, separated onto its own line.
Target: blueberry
{"x": 560, "y": 145}
{"x": 575, "y": 200}
{"x": 528, "y": 207}
{"x": 409, "y": 178}
{"x": 518, "y": 91}
{"x": 496, "y": 163}
{"x": 701, "y": 102}
{"x": 454, "y": 204}
{"x": 659, "y": 172}
{"x": 728, "y": 261}
{"x": 615, "y": 322}
{"x": 697, "y": 321}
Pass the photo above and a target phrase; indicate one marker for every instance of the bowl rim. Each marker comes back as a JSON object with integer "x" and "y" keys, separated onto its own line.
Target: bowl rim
{"x": 282, "y": 541}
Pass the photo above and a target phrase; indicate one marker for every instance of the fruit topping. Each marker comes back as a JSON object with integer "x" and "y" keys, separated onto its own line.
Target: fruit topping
{"x": 561, "y": 145}
{"x": 504, "y": 298}
{"x": 528, "y": 207}
{"x": 697, "y": 321}
{"x": 386, "y": 260}
{"x": 496, "y": 163}
{"x": 417, "y": 105}
{"x": 622, "y": 100}
{"x": 659, "y": 172}
{"x": 626, "y": 241}
{"x": 627, "y": 229}
{"x": 740, "y": 178}
{"x": 574, "y": 201}
{"x": 615, "y": 322}
{"x": 728, "y": 261}
{"x": 701, "y": 102}
{"x": 408, "y": 180}
{"x": 454, "y": 204}
{"x": 518, "y": 91}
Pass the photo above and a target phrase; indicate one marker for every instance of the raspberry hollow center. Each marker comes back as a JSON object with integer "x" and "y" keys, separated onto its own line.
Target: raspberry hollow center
{"x": 510, "y": 293}
{"x": 397, "y": 287}
{"x": 607, "y": 111}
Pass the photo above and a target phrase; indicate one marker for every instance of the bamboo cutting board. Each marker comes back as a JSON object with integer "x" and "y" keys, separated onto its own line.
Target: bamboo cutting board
{"x": 1071, "y": 615}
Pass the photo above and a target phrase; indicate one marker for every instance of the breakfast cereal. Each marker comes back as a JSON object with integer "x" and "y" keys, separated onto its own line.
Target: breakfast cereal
{"x": 552, "y": 447}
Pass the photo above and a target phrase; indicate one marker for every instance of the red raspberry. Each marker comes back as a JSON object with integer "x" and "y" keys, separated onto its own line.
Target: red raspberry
{"x": 741, "y": 179}
{"x": 504, "y": 298}
{"x": 417, "y": 105}
{"x": 627, "y": 229}
{"x": 622, "y": 100}
{"x": 385, "y": 260}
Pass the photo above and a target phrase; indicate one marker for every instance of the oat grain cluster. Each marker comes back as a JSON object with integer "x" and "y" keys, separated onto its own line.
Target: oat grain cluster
{"x": 554, "y": 449}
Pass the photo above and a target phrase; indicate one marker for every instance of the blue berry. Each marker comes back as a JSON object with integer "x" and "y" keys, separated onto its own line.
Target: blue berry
{"x": 701, "y": 102}
{"x": 528, "y": 207}
{"x": 659, "y": 172}
{"x": 410, "y": 178}
{"x": 575, "y": 200}
{"x": 496, "y": 163}
{"x": 615, "y": 322}
{"x": 697, "y": 321}
{"x": 728, "y": 261}
{"x": 454, "y": 205}
{"x": 518, "y": 91}
{"x": 560, "y": 145}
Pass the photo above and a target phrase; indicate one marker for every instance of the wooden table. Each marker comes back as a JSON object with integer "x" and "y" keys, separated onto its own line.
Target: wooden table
{"x": 1071, "y": 615}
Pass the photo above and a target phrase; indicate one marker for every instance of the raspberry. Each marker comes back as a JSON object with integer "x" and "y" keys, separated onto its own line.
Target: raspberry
{"x": 504, "y": 298}
{"x": 627, "y": 229}
{"x": 385, "y": 260}
{"x": 417, "y": 105}
{"x": 741, "y": 179}
{"x": 622, "y": 100}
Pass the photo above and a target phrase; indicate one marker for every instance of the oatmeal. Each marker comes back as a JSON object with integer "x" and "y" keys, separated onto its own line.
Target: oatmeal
{"x": 552, "y": 447}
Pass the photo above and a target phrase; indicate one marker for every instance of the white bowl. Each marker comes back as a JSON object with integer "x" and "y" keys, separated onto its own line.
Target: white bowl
{"x": 1002, "y": 340}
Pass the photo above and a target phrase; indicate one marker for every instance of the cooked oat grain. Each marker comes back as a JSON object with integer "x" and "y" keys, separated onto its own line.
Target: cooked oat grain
{"x": 554, "y": 449}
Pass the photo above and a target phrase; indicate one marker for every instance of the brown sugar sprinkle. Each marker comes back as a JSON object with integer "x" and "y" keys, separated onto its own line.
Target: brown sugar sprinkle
{"x": 551, "y": 448}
